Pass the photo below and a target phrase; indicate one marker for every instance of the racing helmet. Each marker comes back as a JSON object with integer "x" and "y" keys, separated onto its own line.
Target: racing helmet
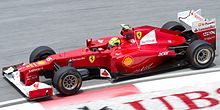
{"x": 114, "y": 42}
{"x": 125, "y": 27}
{"x": 126, "y": 31}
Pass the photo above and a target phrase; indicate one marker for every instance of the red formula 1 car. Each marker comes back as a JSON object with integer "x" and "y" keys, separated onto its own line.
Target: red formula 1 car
{"x": 139, "y": 50}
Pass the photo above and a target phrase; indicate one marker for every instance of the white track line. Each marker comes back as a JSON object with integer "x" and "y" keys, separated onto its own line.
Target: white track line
{"x": 12, "y": 101}
{"x": 25, "y": 106}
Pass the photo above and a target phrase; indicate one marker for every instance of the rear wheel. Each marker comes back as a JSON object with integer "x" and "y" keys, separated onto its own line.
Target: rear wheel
{"x": 200, "y": 54}
{"x": 67, "y": 80}
{"x": 174, "y": 26}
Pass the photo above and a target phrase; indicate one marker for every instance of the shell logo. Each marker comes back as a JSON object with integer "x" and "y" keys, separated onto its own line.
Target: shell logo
{"x": 201, "y": 24}
{"x": 128, "y": 61}
{"x": 41, "y": 62}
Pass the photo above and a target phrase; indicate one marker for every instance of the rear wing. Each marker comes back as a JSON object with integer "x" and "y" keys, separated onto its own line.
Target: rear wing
{"x": 204, "y": 27}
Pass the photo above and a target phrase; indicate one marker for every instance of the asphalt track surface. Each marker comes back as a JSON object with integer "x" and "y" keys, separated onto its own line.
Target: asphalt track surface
{"x": 66, "y": 24}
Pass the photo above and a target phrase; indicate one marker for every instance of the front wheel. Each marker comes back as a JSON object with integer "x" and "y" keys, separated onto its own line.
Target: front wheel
{"x": 41, "y": 53}
{"x": 67, "y": 80}
{"x": 200, "y": 54}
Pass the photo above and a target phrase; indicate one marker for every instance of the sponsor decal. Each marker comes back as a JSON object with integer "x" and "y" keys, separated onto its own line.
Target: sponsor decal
{"x": 92, "y": 58}
{"x": 127, "y": 61}
{"x": 87, "y": 108}
{"x": 149, "y": 38}
{"x": 41, "y": 62}
{"x": 197, "y": 16}
{"x": 139, "y": 34}
{"x": 32, "y": 77}
{"x": 35, "y": 69}
{"x": 163, "y": 53}
{"x": 198, "y": 97}
{"x": 209, "y": 38}
{"x": 205, "y": 23}
{"x": 49, "y": 59}
{"x": 76, "y": 59}
{"x": 209, "y": 33}
{"x": 200, "y": 26}
{"x": 147, "y": 67}
{"x": 148, "y": 41}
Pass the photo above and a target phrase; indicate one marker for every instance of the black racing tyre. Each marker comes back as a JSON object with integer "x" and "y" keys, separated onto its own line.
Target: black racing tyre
{"x": 174, "y": 26}
{"x": 40, "y": 53}
{"x": 214, "y": 45}
{"x": 200, "y": 54}
{"x": 67, "y": 80}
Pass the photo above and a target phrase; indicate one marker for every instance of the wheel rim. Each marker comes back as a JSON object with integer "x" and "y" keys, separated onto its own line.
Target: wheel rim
{"x": 203, "y": 56}
{"x": 70, "y": 82}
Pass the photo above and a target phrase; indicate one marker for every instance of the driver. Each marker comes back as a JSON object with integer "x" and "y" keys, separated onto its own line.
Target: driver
{"x": 127, "y": 31}
{"x": 115, "y": 41}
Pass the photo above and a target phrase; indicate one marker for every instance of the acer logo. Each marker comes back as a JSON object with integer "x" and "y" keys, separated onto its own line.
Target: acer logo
{"x": 163, "y": 53}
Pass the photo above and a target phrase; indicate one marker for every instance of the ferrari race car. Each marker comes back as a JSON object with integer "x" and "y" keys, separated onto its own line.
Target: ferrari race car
{"x": 138, "y": 50}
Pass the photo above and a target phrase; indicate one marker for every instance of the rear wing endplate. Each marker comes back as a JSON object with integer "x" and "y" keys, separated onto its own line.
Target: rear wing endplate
{"x": 197, "y": 22}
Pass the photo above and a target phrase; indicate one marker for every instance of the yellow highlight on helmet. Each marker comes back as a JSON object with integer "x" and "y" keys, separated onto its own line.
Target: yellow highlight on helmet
{"x": 114, "y": 41}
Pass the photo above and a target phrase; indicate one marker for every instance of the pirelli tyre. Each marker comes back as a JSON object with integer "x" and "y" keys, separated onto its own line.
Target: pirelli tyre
{"x": 200, "y": 54}
{"x": 67, "y": 80}
{"x": 174, "y": 26}
{"x": 41, "y": 53}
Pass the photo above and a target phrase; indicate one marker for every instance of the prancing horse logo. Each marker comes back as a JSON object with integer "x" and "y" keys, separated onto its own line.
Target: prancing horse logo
{"x": 91, "y": 58}
{"x": 139, "y": 34}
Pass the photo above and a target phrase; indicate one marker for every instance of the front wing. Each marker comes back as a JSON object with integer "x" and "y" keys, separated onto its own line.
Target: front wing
{"x": 34, "y": 91}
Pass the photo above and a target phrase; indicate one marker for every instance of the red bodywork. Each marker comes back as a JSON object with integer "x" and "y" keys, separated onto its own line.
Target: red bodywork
{"x": 147, "y": 50}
